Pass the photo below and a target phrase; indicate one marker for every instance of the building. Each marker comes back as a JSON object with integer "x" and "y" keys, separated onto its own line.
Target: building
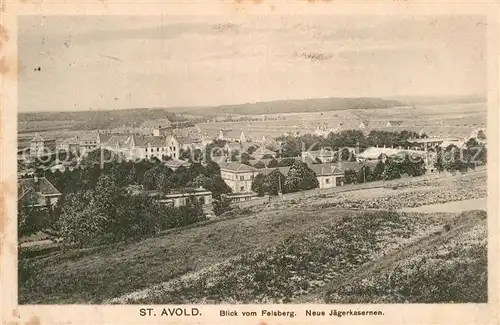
{"x": 261, "y": 152}
{"x": 237, "y": 176}
{"x": 364, "y": 124}
{"x": 328, "y": 175}
{"x": 322, "y": 155}
{"x": 433, "y": 142}
{"x": 69, "y": 145}
{"x": 375, "y": 153}
{"x": 40, "y": 146}
{"x": 223, "y": 135}
{"x": 37, "y": 192}
{"x": 179, "y": 197}
{"x": 142, "y": 146}
{"x": 187, "y": 142}
{"x": 175, "y": 163}
{"x": 88, "y": 142}
{"x": 163, "y": 130}
{"x": 243, "y": 138}
{"x": 393, "y": 123}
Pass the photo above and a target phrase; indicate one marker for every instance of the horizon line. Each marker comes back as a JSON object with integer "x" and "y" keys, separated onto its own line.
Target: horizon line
{"x": 386, "y": 97}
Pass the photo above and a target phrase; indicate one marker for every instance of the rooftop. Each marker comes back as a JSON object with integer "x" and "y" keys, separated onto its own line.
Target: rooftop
{"x": 326, "y": 169}
{"x": 375, "y": 152}
{"x": 176, "y": 163}
{"x": 237, "y": 167}
{"x": 39, "y": 138}
{"x": 33, "y": 191}
{"x": 263, "y": 151}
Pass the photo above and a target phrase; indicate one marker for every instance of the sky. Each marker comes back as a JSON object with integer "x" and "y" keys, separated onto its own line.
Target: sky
{"x": 114, "y": 62}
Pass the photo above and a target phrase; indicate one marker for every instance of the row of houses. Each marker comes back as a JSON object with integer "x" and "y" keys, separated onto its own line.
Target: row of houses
{"x": 239, "y": 177}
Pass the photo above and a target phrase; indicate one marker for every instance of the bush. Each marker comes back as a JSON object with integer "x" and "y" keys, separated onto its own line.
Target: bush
{"x": 221, "y": 206}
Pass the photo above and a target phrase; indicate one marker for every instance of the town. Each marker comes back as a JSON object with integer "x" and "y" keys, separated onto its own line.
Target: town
{"x": 180, "y": 168}
{"x": 253, "y": 160}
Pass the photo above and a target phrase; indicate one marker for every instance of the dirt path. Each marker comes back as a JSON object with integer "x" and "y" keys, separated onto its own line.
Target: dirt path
{"x": 428, "y": 242}
{"x": 451, "y": 207}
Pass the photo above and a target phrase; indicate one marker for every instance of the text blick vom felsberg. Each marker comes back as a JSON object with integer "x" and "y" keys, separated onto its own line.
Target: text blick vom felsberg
{"x": 263, "y": 312}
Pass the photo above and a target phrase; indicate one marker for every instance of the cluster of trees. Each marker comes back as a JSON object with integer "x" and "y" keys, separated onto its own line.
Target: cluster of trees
{"x": 299, "y": 178}
{"x": 453, "y": 159}
{"x": 152, "y": 174}
{"x": 108, "y": 214}
{"x": 293, "y": 146}
{"x": 95, "y": 207}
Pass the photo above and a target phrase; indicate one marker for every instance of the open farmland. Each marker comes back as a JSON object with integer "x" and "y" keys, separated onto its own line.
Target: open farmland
{"x": 458, "y": 119}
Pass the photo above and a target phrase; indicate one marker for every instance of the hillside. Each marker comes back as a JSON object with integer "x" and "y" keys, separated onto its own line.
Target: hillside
{"x": 294, "y": 106}
{"x": 134, "y": 117}
{"x": 437, "y": 100}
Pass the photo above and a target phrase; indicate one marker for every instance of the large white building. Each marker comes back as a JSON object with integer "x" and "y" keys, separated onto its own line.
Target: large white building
{"x": 142, "y": 146}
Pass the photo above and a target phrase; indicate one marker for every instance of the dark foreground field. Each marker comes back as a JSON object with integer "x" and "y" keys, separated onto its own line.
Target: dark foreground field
{"x": 272, "y": 256}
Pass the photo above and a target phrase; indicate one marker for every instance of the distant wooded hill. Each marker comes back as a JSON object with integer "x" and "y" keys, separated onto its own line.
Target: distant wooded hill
{"x": 107, "y": 119}
{"x": 293, "y": 106}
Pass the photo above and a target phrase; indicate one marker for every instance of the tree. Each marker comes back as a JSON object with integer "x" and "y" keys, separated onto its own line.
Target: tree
{"x": 350, "y": 176}
{"x": 267, "y": 156}
{"x": 258, "y": 184}
{"x": 273, "y": 163}
{"x": 259, "y": 165}
{"x": 217, "y": 186}
{"x": 245, "y": 159}
{"x": 471, "y": 143}
{"x": 300, "y": 177}
{"x": 364, "y": 175}
{"x": 286, "y": 162}
{"x": 453, "y": 159}
{"x": 251, "y": 149}
{"x": 392, "y": 170}
{"x": 185, "y": 154}
{"x": 346, "y": 155}
{"x": 273, "y": 182}
{"x": 438, "y": 163}
{"x": 221, "y": 206}
{"x": 378, "y": 170}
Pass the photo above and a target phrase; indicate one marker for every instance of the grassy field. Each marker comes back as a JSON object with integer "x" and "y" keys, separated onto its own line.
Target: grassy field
{"x": 448, "y": 268}
{"x": 91, "y": 276}
{"x": 296, "y": 265}
{"x": 310, "y": 232}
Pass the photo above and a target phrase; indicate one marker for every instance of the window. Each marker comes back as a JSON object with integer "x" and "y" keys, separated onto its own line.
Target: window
{"x": 327, "y": 181}
{"x": 174, "y": 154}
{"x": 146, "y": 149}
{"x": 242, "y": 188}
{"x": 242, "y": 178}
{"x": 157, "y": 149}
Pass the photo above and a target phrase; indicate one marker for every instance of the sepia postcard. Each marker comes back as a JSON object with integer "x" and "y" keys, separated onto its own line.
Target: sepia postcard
{"x": 249, "y": 162}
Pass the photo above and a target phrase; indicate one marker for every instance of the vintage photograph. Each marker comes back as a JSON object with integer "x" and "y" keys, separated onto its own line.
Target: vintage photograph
{"x": 239, "y": 159}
